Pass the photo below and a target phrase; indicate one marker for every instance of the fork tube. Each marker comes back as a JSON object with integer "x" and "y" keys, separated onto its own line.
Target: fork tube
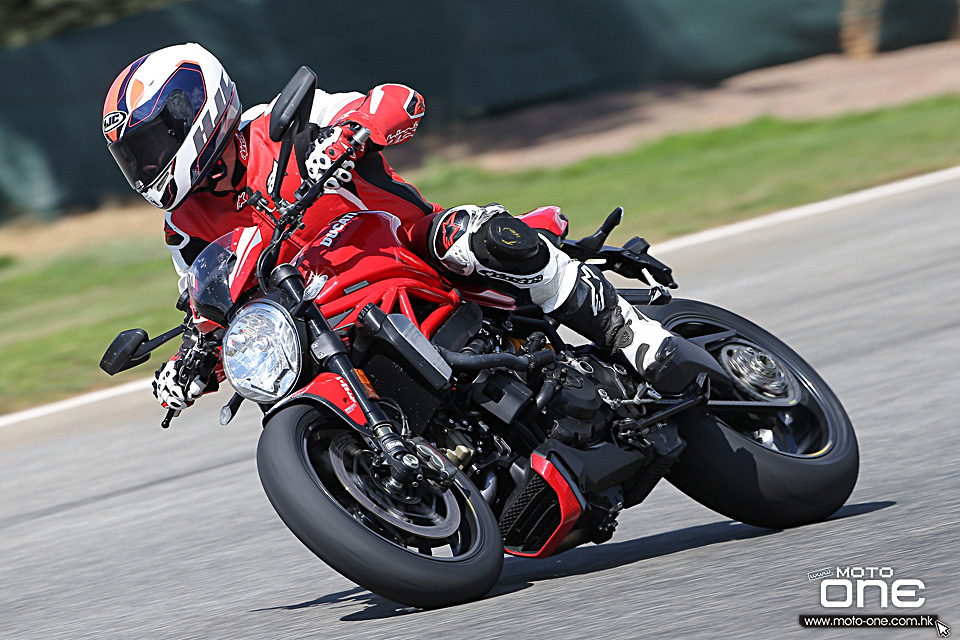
{"x": 290, "y": 280}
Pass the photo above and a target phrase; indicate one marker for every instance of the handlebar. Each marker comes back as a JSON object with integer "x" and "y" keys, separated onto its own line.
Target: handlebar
{"x": 291, "y": 214}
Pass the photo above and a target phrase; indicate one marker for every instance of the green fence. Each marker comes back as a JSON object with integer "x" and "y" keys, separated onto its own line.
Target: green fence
{"x": 468, "y": 57}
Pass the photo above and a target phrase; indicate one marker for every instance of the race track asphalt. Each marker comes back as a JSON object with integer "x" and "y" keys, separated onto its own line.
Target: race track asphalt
{"x": 113, "y": 528}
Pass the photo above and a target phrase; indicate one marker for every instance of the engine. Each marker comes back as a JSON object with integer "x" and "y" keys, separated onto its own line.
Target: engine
{"x": 544, "y": 443}
{"x": 575, "y": 413}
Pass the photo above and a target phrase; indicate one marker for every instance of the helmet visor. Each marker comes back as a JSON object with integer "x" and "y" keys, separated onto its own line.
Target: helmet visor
{"x": 145, "y": 151}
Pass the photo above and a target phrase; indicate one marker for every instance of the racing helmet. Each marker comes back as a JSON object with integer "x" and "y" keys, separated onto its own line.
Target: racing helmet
{"x": 168, "y": 118}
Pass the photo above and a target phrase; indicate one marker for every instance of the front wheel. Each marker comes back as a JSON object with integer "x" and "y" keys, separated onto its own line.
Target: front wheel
{"x": 427, "y": 546}
{"x": 768, "y": 468}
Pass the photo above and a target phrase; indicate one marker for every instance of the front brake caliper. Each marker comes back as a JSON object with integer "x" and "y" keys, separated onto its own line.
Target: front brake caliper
{"x": 435, "y": 460}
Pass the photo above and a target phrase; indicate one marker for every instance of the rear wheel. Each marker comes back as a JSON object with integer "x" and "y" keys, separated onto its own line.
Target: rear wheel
{"x": 425, "y": 546}
{"x": 768, "y": 467}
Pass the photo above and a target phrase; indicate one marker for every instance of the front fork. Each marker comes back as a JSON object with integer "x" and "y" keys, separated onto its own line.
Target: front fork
{"x": 330, "y": 351}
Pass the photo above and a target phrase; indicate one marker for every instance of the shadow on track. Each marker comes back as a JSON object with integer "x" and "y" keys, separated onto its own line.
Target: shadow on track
{"x": 851, "y": 510}
{"x": 377, "y": 607}
{"x": 586, "y": 560}
{"x": 357, "y": 595}
{"x": 519, "y": 574}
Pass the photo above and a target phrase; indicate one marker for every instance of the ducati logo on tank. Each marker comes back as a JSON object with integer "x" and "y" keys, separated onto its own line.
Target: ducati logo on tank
{"x": 337, "y": 227}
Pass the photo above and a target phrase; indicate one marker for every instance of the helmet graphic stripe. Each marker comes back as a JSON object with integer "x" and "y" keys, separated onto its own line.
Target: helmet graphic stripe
{"x": 135, "y": 94}
{"x": 112, "y": 103}
{"x": 122, "y": 95}
{"x": 219, "y": 100}
{"x": 187, "y": 75}
{"x": 202, "y": 144}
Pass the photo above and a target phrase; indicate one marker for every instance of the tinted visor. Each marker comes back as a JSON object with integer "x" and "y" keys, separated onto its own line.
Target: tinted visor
{"x": 145, "y": 151}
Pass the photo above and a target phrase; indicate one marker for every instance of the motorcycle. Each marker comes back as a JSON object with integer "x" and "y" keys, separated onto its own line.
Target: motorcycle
{"x": 414, "y": 430}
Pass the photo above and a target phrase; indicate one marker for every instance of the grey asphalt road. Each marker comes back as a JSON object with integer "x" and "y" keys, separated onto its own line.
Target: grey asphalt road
{"x": 113, "y": 528}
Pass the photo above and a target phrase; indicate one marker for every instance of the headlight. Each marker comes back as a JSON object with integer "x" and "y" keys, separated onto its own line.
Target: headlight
{"x": 261, "y": 352}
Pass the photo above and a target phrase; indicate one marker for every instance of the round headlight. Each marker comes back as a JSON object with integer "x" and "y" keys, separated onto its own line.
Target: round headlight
{"x": 261, "y": 352}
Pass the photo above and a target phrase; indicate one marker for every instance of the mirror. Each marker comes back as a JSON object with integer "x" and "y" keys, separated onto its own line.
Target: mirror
{"x": 120, "y": 354}
{"x": 289, "y": 116}
{"x": 293, "y": 104}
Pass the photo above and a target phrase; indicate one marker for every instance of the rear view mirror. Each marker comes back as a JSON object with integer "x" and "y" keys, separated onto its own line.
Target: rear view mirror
{"x": 289, "y": 116}
{"x": 122, "y": 352}
{"x": 293, "y": 105}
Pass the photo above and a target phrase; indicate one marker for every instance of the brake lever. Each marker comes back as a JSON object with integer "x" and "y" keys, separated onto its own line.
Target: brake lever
{"x": 184, "y": 379}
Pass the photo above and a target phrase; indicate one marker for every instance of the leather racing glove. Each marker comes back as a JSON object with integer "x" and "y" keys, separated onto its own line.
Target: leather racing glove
{"x": 330, "y": 144}
{"x": 171, "y": 394}
{"x": 168, "y": 391}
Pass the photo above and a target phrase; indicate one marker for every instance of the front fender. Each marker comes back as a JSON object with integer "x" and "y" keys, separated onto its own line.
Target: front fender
{"x": 331, "y": 393}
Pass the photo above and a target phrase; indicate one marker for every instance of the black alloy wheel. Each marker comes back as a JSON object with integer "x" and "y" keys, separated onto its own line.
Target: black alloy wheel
{"x": 789, "y": 464}
{"x": 425, "y": 546}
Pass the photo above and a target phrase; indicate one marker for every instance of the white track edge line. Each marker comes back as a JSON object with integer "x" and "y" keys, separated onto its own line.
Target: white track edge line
{"x": 809, "y": 210}
{"x": 72, "y": 403}
{"x": 701, "y": 237}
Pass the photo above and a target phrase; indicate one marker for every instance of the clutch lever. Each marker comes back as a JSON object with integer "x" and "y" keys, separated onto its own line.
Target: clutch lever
{"x": 171, "y": 414}
{"x": 188, "y": 372}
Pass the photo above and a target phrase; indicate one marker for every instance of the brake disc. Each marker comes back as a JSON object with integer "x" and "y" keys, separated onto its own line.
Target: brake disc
{"x": 395, "y": 511}
{"x": 758, "y": 374}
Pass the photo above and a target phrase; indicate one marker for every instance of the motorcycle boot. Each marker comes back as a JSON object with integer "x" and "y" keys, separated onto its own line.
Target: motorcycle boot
{"x": 487, "y": 241}
{"x": 596, "y": 311}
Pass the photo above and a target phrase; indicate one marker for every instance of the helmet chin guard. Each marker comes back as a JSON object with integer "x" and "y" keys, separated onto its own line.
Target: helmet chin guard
{"x": 167, "y": 119}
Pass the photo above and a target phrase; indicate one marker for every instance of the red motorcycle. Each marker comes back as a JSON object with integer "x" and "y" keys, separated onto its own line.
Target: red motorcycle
{"x": 415, "y": 430}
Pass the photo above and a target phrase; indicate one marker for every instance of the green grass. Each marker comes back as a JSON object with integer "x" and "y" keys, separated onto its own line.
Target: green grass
{"x": 58, "y": 313}
{"x": 689, "y": 182}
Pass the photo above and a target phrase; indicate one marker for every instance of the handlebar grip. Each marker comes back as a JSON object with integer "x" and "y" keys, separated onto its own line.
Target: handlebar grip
{"x": 356, "y": 142}
{"x": 360, "y": 137}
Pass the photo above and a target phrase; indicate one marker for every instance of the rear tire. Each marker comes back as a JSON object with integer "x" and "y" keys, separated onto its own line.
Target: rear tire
{"x": 726, "y": 468}
{"x": 293, "y": 460}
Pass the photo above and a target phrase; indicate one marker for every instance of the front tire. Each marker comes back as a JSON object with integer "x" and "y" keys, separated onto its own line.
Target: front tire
{"x": 294, "y": 461}
{"x": 774, "y": 470}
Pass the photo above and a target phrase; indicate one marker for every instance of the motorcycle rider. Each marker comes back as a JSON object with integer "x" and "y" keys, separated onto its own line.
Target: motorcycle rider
{"x": 173, "y": 124}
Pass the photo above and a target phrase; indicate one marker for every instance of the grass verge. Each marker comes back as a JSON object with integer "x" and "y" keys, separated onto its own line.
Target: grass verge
{"x": 59, "y": 312}
{"x": 689, "y": 182}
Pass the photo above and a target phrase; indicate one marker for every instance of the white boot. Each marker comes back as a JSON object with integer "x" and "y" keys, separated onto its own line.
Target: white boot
{"x": 585, "y": 301}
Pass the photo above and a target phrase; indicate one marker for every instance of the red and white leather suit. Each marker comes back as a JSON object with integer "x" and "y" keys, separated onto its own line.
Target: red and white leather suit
{"x": 391, "y": 111}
